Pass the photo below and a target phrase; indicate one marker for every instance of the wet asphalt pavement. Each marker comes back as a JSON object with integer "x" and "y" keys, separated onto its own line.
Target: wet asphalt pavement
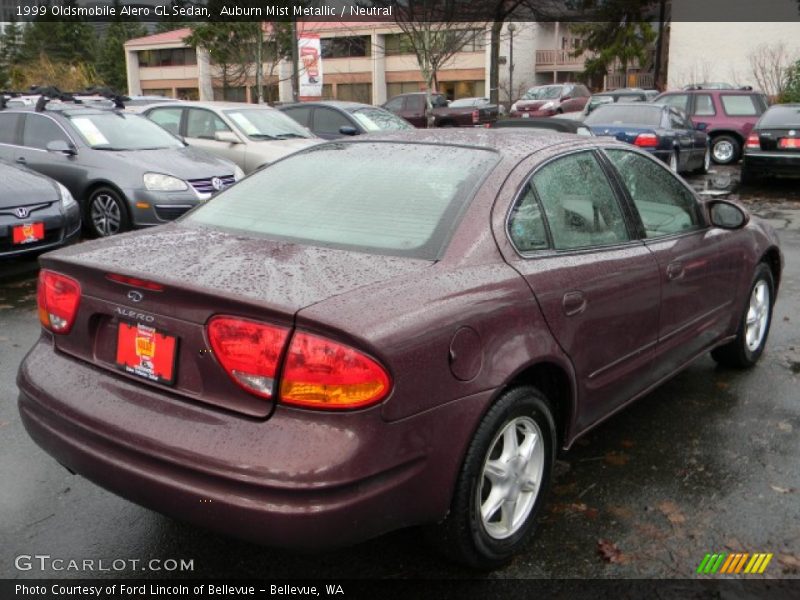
{"x": 707, "y": 463}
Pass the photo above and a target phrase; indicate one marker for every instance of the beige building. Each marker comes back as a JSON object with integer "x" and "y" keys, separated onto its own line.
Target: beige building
{"x": 365, "y": 62}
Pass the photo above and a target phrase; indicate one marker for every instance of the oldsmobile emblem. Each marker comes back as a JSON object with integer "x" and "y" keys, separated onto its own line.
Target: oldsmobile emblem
{"x": 135, "y": 296}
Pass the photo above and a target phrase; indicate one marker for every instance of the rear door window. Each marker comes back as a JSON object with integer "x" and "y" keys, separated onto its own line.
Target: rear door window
{"x": 9, "y": 124}
{"x": 204, "y": 124}
{"x": 168, "y": 118}
{"x": 740, "y": 105}
{"x": 301, "y": 114}
{"x": 395, "y": 104}
{"x": 580, "y": 206}
{"x": 327, "y": 120}
{"x": 704, "y": 105}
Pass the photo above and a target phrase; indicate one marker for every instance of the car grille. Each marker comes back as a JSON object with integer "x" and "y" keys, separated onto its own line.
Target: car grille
{"x": 204, "y": 186}
{"x": 167, "y": 212}
{"x": 30, "y": 207}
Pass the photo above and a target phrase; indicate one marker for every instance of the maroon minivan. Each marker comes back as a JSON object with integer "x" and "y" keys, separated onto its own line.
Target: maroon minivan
{"x": 405, "y": 338}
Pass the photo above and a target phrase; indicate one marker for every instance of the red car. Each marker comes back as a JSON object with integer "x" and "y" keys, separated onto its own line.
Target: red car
{"x": 306, "y": 362}
{"x": 727, "y": 116}
{"x": 549, "y": 100}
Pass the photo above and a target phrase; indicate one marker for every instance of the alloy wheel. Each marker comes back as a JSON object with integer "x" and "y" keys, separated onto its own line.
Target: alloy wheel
{"x": 511, "y": 477}
{"x": 106, "y": 215}
{"x": 757, "y": 316}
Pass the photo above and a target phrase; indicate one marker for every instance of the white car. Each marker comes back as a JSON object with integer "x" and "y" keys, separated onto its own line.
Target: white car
{"x": 250, "y": 135}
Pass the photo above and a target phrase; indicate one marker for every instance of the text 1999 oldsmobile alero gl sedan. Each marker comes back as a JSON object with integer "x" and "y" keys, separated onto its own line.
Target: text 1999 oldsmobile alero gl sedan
{"x": 374, "y": 334}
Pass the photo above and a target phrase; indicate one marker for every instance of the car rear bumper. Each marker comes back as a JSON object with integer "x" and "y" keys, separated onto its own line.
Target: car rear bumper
{"x": 772, "y": 163}
{"x": 298, "y": 479}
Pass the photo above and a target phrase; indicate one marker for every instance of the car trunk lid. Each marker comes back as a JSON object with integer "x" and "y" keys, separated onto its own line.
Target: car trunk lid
{"x": 779, "y": 140}
{"x": 161, "y": 287}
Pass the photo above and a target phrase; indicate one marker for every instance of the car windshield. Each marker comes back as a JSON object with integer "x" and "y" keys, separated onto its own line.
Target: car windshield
{"x": 596, "y": 101}
{"x": 122, "y": 131}
{"x": 266, "y": 124}
{"x": 781, "y": 117}
{"x": 545, "y": 92}
{"x": 386, "y": 198}
{"x": 621, "y": 114}
{"x": 376, "y": 119}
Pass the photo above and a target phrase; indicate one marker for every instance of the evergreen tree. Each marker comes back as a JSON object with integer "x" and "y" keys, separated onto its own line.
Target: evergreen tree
{"x": 111, "y": 59}
{"x": 70, "y": 40}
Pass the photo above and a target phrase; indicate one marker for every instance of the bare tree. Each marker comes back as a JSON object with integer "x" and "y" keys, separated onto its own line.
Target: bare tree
{"x": 435, "y": 35}
{"x": 519, "y": 90}
{"x": 770, "y": 64}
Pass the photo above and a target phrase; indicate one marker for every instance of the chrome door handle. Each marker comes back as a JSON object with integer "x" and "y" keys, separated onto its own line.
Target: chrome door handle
{"x": 574, "y": 303}
{"x": 675, "y": 270}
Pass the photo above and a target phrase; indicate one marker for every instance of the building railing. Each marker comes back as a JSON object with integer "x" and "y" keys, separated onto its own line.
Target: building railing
{"x": 620, "y": 80}
{"x": 556, "y": 58}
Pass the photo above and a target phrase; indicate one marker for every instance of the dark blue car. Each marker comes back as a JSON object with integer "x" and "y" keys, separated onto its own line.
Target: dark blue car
{"x": 662, "y": 130}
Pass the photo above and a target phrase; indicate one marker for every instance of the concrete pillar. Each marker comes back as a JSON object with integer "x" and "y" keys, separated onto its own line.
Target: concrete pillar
{"x": 284, "y": 70}
{"x": 132, "y": 69}
{"x": 205, "y": 84}
{"x": 378, "y": 68}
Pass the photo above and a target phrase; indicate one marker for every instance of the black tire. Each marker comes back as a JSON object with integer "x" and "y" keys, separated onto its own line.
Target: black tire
{"x": 738, "y": 354}
{"x": 719, "y": 143}
{"x": 704, "y": 166}
{"x": 105, "y": 213}
{"x": 463, "y": 535}
{"x": 747, "y": 177}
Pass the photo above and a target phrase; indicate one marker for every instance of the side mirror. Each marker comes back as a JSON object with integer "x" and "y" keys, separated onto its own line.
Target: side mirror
{"x": 227, "y": 136}
{"x": 726, "y": 215}
{"x": 701, "y": 126}
{"x": 61, "y": 146}
{"x": 348, "y": 130}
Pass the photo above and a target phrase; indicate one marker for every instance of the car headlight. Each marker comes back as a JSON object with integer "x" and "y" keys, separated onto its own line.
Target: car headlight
{"x": 547, "y": 106}
{"x": 158, "y": 182}
{"x": 237, "y": 173}
{"x": 67, "y": 200}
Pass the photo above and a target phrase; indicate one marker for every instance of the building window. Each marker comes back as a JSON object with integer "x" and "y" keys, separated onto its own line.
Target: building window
{"x": 399, "y": 43}
{"x": 346, "y": 47}
{"x": 403, "y": 87}
{"x": 231, "y": 94}
{"x": 172, "y": 57}
{"x": 327, "y": 92}
{"x": 354, "y": 92}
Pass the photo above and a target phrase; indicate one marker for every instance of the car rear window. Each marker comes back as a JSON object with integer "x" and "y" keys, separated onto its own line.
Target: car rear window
{"x": 780, "y": 117}
{"x": 740, "y": 105}
{"x": 382, "y": 197}
{"x": 619, "y": 114}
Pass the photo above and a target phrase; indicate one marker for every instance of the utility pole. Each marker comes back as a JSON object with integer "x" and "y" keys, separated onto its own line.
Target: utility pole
{"x": 511, "y": 29}
{"x": 259, "y": 65}
{"x": 295, "y": 64}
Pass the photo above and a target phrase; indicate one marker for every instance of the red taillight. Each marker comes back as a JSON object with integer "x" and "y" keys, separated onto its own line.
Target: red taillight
{"x": 250, "y": 352}
{"x": 476, "y": 117}
{"x": 646, "y": 140}
{"x": 58, "y": 297}
{"x": 753, "y": 141}
{"x": 320, "y": 373}
{"x": 133, "y": 281}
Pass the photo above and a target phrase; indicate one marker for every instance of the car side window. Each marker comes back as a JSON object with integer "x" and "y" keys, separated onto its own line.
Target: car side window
{"x": 416, "y": 103}
{"x": 168, "y": 118}
{"x": 301, "y": 114}
{"x": 327, "y": 120}
{"x": 704, "y": 105}
{"x": 579, "y": 203}
{"x": 676, "y": 120}
{"x": 526, "y": 225}
{"x": 664, "y": 204}
{"x": 739, "y": 106}
{"x": 204, "y": 124}
{"x": 676, "y": 100}
{"x": 9, "y": 123}
{"x": 39, "y": 131}
{"x": 395, "y": 104}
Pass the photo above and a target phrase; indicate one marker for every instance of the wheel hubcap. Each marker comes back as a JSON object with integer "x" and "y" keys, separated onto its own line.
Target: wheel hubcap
{"x": 511, "y": 478}
{"x": 723, "y": 151}
{"x": 106, "y": 216}
{"x": 757, "y": 316}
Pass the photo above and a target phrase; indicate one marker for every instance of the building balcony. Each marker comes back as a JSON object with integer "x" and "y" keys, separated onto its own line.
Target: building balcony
{"x": 559, "y": 60}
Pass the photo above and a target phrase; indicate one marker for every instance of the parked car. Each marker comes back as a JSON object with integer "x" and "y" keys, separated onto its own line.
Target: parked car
{"x": 250, "y": 135}
{"x": 549, "y": 100}
{"x": 662, "y": 130}
{"x": 610, "y": 97}
{"x": 548, "y": 123}
{"x": 332, "y": 119}
{"x": 122, "y": 169}
{"x": 412, "y": 108}
{"x": 773, "y": 146}
{"x": 496, "y": 109}
{"x": 710, "y": 85}
{"x": 409, "y": 350}
{"x": 727, "y": 115}
{"x": 36, "y": 213}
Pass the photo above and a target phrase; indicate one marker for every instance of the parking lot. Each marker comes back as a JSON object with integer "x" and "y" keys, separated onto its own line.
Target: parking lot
{"x": 707, "y": 463}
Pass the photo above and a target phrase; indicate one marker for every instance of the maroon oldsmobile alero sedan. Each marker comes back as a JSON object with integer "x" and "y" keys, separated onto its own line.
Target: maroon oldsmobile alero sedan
{"x": 377, "y": 333}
